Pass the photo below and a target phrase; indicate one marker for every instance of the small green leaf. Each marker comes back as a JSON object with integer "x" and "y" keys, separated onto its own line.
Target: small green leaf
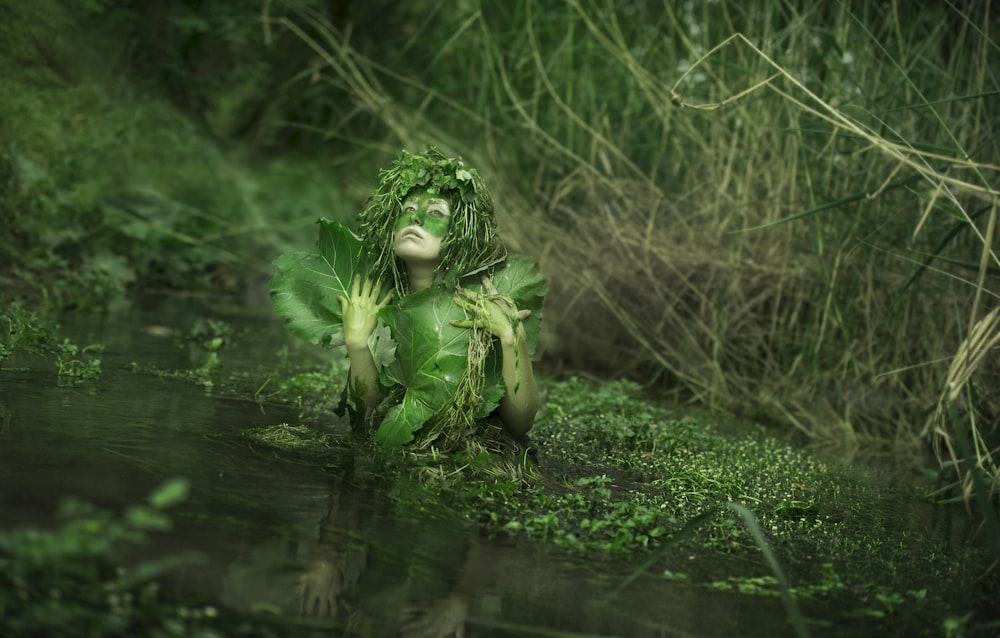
{"x": 147, "y": 519}
{"x": 382, "y": 346}
{"x": 170, "y": 493}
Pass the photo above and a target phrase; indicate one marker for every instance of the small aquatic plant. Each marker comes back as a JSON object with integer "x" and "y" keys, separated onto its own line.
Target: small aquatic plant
{"x": 77, "y": 364}
{"x": 22, "y": 329}
{"x": 209, "y": 336}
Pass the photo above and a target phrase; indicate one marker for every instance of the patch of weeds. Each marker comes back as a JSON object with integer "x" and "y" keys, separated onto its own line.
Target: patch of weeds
{"x": 587, "y": 517}
{"x": 77, "y": 364}
{"x": 294, "y": 439}
{"x": 22, "y": 329}
{"x": 887, "y": 603}
{"x": 623, "y": 476}
{"x": 659, "y": 469}
{"x": 582, "y": 421}
{"x": 313, "y": 392}
{"x": 768, "y": 585}
{"x": 25, "y": 331}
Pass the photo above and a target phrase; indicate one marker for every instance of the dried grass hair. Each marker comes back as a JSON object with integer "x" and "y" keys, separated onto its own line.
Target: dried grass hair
{"x": 472, "y": 243}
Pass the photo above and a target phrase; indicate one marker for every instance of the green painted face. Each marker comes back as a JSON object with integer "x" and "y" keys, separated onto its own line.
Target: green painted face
{"x": 420, "y": 229}
{"x": 427, "y": 210}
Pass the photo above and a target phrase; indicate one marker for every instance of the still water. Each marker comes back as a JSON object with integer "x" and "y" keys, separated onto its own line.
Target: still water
{"x": 290, "y": 537}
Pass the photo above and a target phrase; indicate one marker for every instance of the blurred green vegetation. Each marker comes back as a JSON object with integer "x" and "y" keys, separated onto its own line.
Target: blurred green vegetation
{"x": 72, "y": 577}
{"x": 797, "y": 225}
{"x": 113, "y": 178}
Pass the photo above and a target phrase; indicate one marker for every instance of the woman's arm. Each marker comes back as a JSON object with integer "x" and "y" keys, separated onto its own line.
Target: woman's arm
{"x": 360, "y": 311}
{"x": 520, "y": 400}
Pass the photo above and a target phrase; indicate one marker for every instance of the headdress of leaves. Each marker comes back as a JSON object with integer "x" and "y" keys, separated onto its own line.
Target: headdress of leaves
{"x": 472, "y": 242}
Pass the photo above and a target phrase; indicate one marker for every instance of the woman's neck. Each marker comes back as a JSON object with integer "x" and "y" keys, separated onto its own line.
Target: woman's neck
{"x": 420, "y": 275}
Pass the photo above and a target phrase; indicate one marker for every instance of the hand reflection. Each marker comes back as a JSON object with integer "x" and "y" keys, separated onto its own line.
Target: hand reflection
{"x": 445, "y": 617}
{"x": 320, "y": 587}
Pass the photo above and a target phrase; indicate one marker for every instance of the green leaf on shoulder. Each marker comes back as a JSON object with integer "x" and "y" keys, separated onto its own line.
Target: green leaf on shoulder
{"x": 305, "y": 287}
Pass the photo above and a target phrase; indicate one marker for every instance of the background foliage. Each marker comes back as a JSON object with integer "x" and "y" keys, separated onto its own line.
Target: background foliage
{"x": 796, "y": 225}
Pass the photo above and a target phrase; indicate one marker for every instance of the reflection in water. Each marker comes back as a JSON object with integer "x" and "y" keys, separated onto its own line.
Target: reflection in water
{"x": 385, "y": 565}
{"x": 377, "y": 570}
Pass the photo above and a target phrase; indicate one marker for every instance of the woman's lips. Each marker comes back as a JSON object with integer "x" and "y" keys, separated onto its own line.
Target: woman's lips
{"x": 411, "y": 231}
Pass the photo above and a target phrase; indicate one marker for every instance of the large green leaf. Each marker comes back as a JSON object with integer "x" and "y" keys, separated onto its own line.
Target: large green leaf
{"x": 431, "y": 354}
{"x": 305, "y": 287}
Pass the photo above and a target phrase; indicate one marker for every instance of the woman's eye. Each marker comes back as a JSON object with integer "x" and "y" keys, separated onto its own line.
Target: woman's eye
{"x": 409, "y": 208}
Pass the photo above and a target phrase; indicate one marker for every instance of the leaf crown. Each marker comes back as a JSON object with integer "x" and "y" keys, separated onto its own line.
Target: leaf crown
{"x": 472, "y": 242}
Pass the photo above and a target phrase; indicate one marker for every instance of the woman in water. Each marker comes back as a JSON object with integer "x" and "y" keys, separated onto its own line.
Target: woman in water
{"x": 430, "y": 229}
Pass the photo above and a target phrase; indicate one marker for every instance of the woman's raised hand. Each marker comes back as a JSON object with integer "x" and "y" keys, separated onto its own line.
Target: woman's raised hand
{"x": 491, "y": 311}
{"x": 360, "y": 310}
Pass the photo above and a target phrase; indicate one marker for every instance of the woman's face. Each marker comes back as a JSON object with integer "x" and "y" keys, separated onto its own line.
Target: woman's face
{"x": 421, "y": 227}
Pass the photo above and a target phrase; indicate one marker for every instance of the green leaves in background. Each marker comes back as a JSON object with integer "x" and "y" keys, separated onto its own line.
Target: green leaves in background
{"x": 305, "y": 288}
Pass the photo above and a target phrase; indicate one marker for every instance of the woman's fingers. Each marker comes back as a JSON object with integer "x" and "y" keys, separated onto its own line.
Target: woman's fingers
{"x": 466, "y": 305}
{"x": 385, "y": 300}
{"x": 488, "y": 285}
{"x": 368, "y": 291}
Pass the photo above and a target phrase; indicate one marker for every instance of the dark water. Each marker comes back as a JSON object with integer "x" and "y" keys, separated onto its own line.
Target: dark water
{"x": 267, "y": 525}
